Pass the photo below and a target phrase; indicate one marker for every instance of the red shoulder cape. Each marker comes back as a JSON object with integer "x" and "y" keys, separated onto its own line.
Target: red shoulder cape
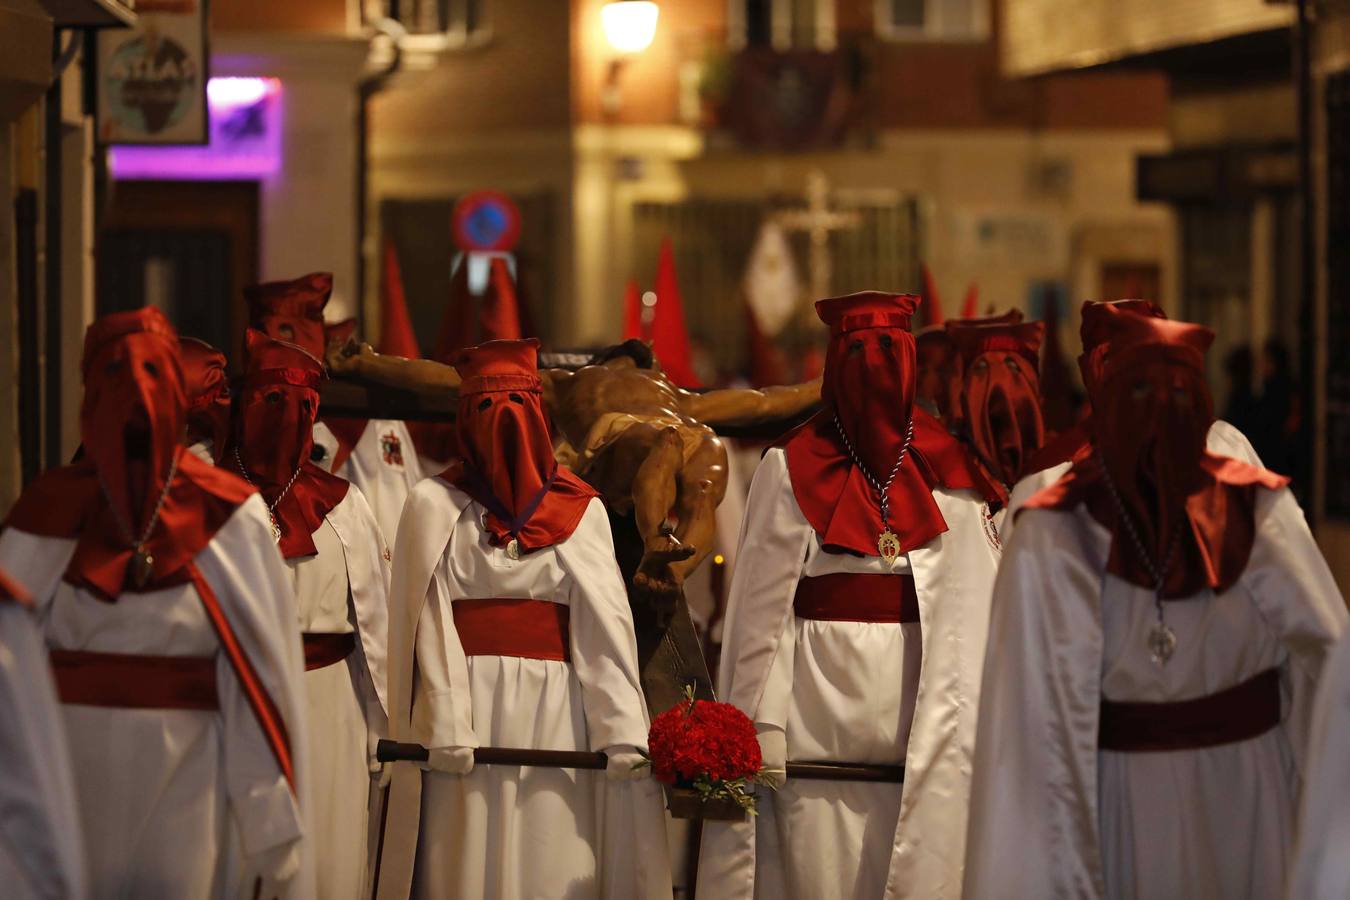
{"x": 841, "y": 506}
{"x": 1220, "y": 522}
{"x": 69, "y": 503}
{"x": 553, "y": 520}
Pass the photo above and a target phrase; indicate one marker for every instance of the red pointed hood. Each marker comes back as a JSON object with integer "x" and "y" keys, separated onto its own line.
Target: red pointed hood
{"x": 396, "y": 332}
{"x": 932, "y": 303}
{"x": 507, "y": 461}
{"x": 632, "y": 312}
{"x": 670, "y": 337}
{"x": 1000, "y": 390}
{"x": 273, "y": 435}
{"x": 292, "y": 311}
{"x": 868, "y": 396}
{"x": 459, "y": 327}
{"x": 500, "y": 312}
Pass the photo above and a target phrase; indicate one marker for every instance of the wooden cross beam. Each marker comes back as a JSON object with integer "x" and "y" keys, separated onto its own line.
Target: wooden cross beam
{"x": 341, "y": 398}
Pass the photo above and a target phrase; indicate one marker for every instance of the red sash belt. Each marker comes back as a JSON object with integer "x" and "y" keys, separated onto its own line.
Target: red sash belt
{"x": 533, "y": 629}
{"x": 324, "y": 648}
{"x": 857, "y": 597}
{"x": 1238, "y": 713}
{"x": 130, "y": 681}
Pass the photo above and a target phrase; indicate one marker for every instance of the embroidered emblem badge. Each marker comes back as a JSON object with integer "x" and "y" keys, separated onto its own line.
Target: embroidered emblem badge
{"x": 392, "y": 448}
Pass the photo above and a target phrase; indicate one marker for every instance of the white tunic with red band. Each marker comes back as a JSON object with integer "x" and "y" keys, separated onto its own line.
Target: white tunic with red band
{"x": 342, "y": 596}
{"x": 180, "y": 791}
{"x": 857, "y": 661}
{"x": 382, "y": 463}
{"x": 1101, "y": 773}
{"x": 536, "y": 652}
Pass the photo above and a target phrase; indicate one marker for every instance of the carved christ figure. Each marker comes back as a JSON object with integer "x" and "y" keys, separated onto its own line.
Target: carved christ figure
{"x": 645, "y": 444}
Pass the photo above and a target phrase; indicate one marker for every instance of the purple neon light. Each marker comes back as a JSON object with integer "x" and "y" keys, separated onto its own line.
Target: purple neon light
{"x": 245, "y": 140}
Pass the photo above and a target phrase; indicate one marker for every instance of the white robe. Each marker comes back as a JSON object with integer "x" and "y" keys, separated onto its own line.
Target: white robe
{"x": 502, "y": 831}
{"x": 344, "y": 588}
{"x": 41, "y": 846}
{"x": 1053, "y": 816}
{"x": 1223, "y": 440}
{"x": 853, "y": 692}
{"x": 1321, "y": 868}
{"x": 183, "y": 803}
{"x": 384, "y": 478}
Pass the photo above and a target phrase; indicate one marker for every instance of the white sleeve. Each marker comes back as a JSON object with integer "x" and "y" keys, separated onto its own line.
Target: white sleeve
{"x": 1290, "y": 583}
{"x": 35, "y": 562}
{"x": 442, "y": 712}
{"x": 775, "y": 537}
{"x": 603, "y": 641}
{"x": 1321, "y": 867}
{"x": 1033, "y": 818}
{"x": 1225, "y": 439}
{"x": 41, "y": 847}
{"x": 247, "y": 573}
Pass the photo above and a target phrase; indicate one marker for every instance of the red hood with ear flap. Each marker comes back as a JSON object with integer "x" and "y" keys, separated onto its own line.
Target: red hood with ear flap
{"x": 868, "y": 394}
{"x": 1153, "y": 412}
{"x": 1001, "y": 390}
{"x": 292, "y": 311}
{"x": 131, "y": 423}
{"x": 274, "y": 412}
{"x": 208, "y": 393}
{"x": 507, "y": 463}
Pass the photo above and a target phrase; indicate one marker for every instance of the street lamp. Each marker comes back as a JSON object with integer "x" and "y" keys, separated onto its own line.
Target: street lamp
{"x": 630, "y": 26}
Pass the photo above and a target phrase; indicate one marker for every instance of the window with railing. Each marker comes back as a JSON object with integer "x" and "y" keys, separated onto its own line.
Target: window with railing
{"x": 782, "y": 24}
{"x": 933, "y": 20}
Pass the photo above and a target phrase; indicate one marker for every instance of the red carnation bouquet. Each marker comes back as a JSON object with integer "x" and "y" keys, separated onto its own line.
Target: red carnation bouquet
{"x": 709, "y": 748}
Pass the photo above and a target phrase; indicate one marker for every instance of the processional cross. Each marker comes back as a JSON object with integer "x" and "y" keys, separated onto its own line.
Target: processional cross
{"x": 817, "y": 220}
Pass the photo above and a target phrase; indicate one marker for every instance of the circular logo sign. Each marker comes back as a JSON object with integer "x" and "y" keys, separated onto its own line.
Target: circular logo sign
{"x": 486, "y": 220}
{"x": 151, "y": 83}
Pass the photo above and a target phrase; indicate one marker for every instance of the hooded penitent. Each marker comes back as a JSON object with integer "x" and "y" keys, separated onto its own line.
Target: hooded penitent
{"x": 1000, "y": 391}
{"x": 292, "y": 311}
{"x": 1194, "y": 511}
{"x": 208, "y": 393}
{"x": 273, "y": 433}
{"x": 138, "y": 505}
{"x": 507, "y": 462}
{"x": 868, "y": 396}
